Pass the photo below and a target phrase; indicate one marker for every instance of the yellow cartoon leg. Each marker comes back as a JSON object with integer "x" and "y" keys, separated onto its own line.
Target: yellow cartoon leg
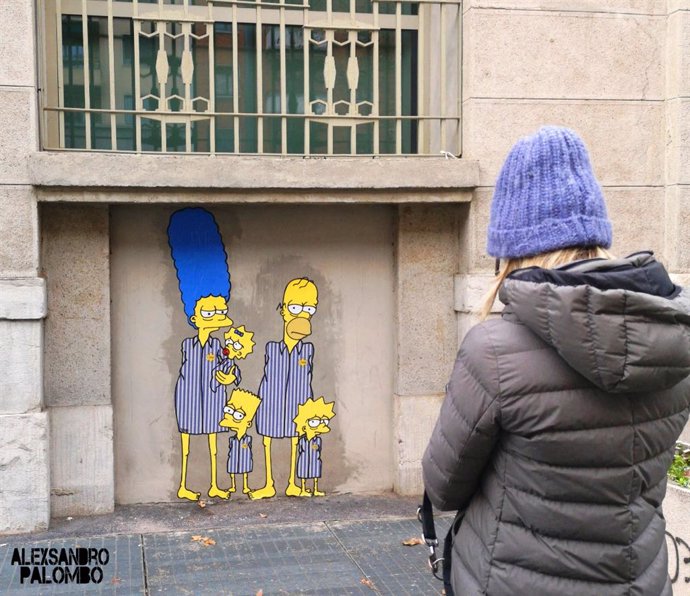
{"x": 305, "y": 491}
{"x": 184, "y": 492}
{"x": 214, "y": 491}
{"x": 292, "y": 489}
{"x": 269, "y": 488}
{"x": 317, "y": 492}
{"x": 246, "y": 490}
{"x": 232, "y": 484}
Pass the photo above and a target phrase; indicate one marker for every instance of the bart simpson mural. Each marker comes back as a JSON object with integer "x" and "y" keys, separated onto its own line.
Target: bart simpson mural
{"x": 286, "y": 382}
{"x": 312, "y": 420}
{"x": 204, "y": 281}
{"x": 239, "y": 414}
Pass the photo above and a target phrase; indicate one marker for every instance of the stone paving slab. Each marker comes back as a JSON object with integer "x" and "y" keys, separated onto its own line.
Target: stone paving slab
{"x": 376, "y": 547}
{"x": 342, "y": 557}
{"x": 281, "y": 560}
{"x": 123, "y": 574}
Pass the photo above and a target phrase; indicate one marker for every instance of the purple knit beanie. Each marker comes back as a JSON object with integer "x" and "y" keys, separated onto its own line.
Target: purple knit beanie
{"x": 547, "y": 198}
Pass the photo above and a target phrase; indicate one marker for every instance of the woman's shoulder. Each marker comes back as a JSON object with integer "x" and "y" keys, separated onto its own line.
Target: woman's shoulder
{"x": 496, "y": 337}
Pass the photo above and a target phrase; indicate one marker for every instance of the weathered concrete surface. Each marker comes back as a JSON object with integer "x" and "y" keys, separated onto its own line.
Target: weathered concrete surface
{"x": 580, "y": 55}
{"x": 23, "y": 298}
{"x": 18, "y": 133}
{"x": 75, "y": 258}
{"x": 24, "y": 476}
{"x": 81, "y": 460}
{"x": 348, "y": 251}
{"x": 625, "y": 138}
{"x": 99, "y": 170}
{"x": 427, "y": 259}
{"x": 220, "y": 197}
{"x": 18, "y": 230}
{"x": 21, "y": 355}
{"x": 17, "y": 59}
{"x": 414, "y": 417}
{"x": 644, "y": 7}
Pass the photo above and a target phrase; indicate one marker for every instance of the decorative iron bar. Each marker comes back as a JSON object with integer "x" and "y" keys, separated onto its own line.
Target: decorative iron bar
{"x": 301, "y": 77}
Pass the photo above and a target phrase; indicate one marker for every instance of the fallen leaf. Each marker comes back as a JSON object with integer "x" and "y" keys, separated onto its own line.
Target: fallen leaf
{"x": 260, "y": 593}
{"x": 412, "y": 541}
{"x": 116, "y": 581}
{"x": 201, "y": 503}
{"x": 263, "y": 515}
{"x": 196, "y": 538}
{"x": 209, "y": 541}
{"x": 367, "y": 582}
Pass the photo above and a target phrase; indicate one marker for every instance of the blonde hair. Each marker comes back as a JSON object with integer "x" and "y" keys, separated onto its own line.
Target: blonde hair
{"x": 547, "y": 260}
{"x": 313, "y": 408}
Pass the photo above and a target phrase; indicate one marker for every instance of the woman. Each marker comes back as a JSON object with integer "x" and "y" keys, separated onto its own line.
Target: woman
{"x": 561, "y": 416}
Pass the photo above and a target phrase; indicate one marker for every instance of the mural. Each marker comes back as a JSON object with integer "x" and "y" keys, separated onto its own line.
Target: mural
{"x": 204, "y": 281}
{"x": 312, "y": 420}
{"x": 286, "y": 383}
{"x": 239, "y": 414}
{"x": 208, "y": 397}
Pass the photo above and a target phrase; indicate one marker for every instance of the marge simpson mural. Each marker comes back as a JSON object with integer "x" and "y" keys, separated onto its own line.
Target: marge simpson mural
{"x": 204, "y": 280}
{"x": 286, "y": 383}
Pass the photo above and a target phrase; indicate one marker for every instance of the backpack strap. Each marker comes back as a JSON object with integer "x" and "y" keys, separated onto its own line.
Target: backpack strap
{"x": 425, "y": 514}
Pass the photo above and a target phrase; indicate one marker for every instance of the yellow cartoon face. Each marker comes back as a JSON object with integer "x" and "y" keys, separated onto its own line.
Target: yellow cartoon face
{"x": 239, "y": 411}
{"x": 298, "y": 307}
{"x": 314, "y": 417}
{"x": 238, "y": 343}
{"x": 211, "y": 313}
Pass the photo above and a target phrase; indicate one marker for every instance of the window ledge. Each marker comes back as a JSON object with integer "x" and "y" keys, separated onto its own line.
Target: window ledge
{"x": 427, "y": 175}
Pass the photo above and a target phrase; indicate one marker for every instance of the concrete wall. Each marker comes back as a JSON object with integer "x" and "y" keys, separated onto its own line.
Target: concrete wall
{"x": 24, "y": 472}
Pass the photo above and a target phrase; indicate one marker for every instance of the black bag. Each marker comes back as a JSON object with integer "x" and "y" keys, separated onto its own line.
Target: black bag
{"x": 425, "y": 514}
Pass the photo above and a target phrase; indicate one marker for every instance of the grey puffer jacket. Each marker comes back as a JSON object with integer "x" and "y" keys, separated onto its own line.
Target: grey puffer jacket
{"x": 557, "y": 431}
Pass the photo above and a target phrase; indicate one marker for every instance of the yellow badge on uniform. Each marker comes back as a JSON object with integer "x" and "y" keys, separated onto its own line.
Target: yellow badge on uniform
{"x": 315, "y": 447}
{"x": 302, "y": 362}
{"x": 210, "y": 357}
{"x": 245, "y": 446}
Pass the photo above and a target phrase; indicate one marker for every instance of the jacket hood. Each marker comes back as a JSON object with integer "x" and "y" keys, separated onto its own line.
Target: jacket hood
{"x": 621, "y": 323}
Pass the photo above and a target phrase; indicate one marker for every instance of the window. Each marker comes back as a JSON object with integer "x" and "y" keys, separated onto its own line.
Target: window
{"x": 323, "y": 77}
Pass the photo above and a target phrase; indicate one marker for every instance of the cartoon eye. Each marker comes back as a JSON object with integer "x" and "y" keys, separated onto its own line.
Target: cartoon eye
{"x": 238, "y": 416}
{"x": 207, "y": 314}
{"x": 325, "y": 421}
{"x": 228, "y": 343}
{"x": 309, "y": 309}
{"x": 314, "y": 422}
{"x": 221, "y": 311}
{"x": 295, "y": 309}
{"x": 228, "y": 410}
{"x": 237, "y": 345}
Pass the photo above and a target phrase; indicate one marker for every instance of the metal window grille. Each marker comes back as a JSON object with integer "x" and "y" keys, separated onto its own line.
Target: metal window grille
{"x": 304, "y": 77}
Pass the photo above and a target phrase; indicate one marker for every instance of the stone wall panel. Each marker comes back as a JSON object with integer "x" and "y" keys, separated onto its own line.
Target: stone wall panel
{"x": 24, "y": 475}
{"x": 81, "y": 460}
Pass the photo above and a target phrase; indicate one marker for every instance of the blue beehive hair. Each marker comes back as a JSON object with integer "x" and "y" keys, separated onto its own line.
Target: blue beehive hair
{"x": 199, "y": 256}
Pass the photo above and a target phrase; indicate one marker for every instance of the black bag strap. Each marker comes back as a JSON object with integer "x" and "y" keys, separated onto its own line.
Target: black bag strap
{"x": 425, "y": 514}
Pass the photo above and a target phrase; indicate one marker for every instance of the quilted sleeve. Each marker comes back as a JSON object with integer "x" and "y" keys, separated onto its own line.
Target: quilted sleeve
{"x": 468, "y": 426}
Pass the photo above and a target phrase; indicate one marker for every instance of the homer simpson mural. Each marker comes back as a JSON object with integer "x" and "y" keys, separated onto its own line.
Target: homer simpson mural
{"x": 204, "y": 281}
{"x": 287, "y": 378}
{"x": 313, "y": 420}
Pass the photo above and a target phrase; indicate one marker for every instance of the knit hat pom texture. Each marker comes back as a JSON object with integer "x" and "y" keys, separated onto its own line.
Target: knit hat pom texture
{"x": 547, "y": 198}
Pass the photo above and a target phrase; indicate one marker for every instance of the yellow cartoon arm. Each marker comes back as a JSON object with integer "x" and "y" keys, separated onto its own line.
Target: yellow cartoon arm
{"x": 226, "y": 378}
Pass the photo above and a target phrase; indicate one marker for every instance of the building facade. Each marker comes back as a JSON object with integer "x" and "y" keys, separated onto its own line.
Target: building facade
{"x": 353, "y": 143}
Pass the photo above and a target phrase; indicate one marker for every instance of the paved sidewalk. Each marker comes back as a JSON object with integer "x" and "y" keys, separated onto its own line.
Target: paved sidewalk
{"x": 343, "y": 544}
